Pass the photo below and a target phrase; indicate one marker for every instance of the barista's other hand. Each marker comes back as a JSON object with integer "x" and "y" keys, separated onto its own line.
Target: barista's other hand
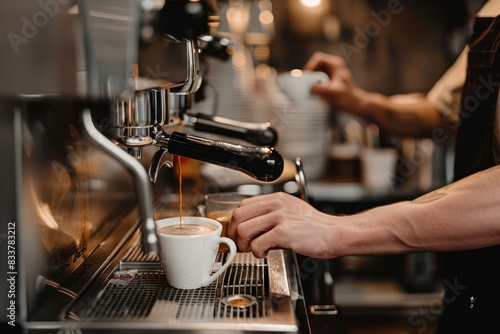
{"x": 280, "y": 220}
{"x": 341, "y": 92}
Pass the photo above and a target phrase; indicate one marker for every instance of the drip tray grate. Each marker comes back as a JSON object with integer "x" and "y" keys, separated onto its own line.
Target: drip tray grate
{"x": 138, "y": 290}
{"x": 244, "y": 292}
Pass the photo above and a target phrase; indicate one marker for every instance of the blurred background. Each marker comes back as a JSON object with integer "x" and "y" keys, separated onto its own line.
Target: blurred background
{"x": 391, "y": 47}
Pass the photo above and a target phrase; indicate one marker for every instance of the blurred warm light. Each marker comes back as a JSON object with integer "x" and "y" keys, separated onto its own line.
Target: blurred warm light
{"x": 263, "y": 71}
{"x": 262, "y": 52}
{"x": 73, "y": 10}
{"x": 266, "y": 17}
{"x": 332, "y": 27}
{"x": 239, "y": 59}
{"x": 310, "y": 3}
{"x": 307, "y": 16}
{"x": 237, "y": 19}
{"x": 296, "y": 73}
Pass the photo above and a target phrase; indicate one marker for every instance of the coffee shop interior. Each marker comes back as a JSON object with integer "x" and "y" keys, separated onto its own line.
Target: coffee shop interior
{"x": 83, "y": 210}
{"x": 398, "y": 51}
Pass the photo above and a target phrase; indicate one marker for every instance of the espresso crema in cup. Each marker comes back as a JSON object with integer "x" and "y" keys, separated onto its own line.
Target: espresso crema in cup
{"x": 186, "y": 229}
{"x": 187, "y": 251}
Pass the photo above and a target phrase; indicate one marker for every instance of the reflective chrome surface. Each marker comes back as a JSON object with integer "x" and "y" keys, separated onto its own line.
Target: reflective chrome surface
{"x": 75, "y": 199}
{"x": 80, "y": 236}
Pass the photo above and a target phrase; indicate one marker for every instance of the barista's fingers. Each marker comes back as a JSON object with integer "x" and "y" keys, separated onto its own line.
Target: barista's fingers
{"x": 321, "y": 89}
{"x": 315, "y": 62}
{"x": 261, "y": 245}
{"x": 253, "y": 228}
{"x": 257, "y": 199}
{"x": 244, "y": 213}
{"x": 242, "y": 241}
{"x": 325, "y": 62}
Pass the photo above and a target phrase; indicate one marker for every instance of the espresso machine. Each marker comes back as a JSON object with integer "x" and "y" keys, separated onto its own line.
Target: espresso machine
{"x": 94, "y": 97}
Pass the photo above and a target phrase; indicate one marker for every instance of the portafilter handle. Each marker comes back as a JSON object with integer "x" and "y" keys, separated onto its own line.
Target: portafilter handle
{"x": 261, "y": 163}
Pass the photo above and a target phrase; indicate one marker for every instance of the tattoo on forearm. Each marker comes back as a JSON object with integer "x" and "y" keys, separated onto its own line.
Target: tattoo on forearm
{"x": 430, "y": 197}
{"x": 440, "y": 193}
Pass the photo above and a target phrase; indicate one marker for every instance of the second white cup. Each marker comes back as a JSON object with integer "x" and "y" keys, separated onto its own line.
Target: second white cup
{"x": 378, "y": 167}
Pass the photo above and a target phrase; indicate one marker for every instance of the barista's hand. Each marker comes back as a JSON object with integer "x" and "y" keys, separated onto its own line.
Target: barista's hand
{"x": 280, "y": 220}
{"x": 341, "y": 92}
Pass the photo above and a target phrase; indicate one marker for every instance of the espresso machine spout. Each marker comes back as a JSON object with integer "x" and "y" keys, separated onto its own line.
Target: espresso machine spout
{"x": 262, "y": 163}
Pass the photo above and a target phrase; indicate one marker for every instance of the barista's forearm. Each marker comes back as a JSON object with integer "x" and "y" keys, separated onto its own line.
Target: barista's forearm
{"x": 418, "y": 119}
{"x": 463, "y": 215}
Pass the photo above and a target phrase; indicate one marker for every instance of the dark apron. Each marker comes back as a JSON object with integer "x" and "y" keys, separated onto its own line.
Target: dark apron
{"x": 471, "y": 303}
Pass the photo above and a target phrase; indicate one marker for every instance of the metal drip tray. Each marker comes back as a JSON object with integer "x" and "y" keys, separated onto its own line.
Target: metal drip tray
{"x": 252, "y": 295}
{"x": 144, "y": 293}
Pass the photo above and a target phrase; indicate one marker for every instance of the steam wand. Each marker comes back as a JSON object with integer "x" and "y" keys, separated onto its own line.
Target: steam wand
{"x": 149, "y": 239}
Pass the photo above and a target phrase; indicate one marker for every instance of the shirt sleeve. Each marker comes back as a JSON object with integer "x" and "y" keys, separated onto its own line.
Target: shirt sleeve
{"x": 446, "y": 93}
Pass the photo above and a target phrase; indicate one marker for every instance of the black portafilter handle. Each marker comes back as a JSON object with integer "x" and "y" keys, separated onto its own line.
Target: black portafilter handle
{"x": 184, "y": 19}
{"x": 260, "y": 134}
{"x": 261, "y": 163}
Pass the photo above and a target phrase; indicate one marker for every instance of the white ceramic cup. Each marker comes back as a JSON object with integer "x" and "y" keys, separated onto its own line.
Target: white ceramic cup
{"x": 188, "y": 260}
{"x": 296, "y": 84}
{"x": 378, "y": 167}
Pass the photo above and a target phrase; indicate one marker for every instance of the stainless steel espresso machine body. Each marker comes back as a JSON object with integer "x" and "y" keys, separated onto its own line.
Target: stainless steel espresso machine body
{"x": 82, "y": 97}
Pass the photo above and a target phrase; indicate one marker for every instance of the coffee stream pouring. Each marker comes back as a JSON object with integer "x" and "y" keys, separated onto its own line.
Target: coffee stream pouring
{"x": 140, "y": 116}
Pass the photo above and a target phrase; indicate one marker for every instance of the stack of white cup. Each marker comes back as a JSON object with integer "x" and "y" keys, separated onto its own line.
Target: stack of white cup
{"x": 304, "y": 129}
